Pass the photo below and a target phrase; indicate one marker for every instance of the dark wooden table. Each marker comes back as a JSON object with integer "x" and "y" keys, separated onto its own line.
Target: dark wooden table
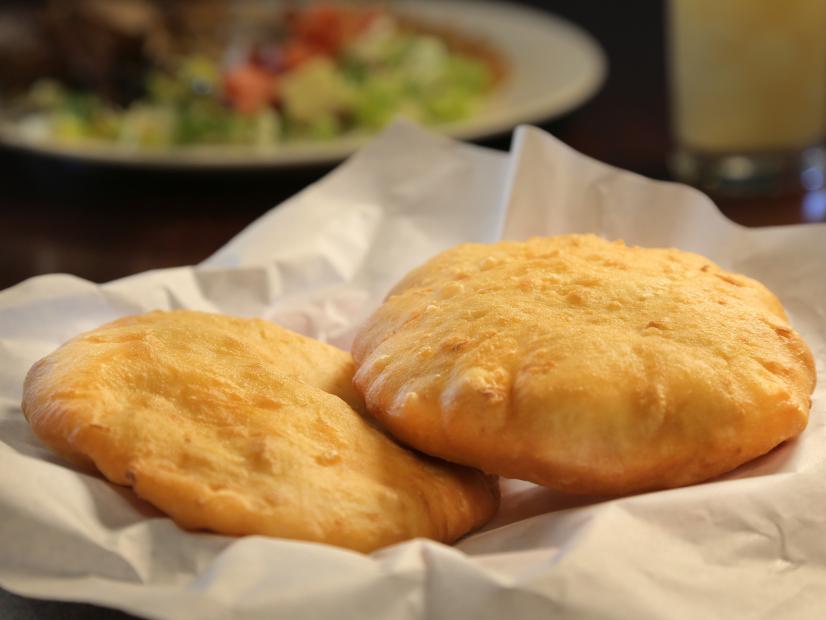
{"x": 102, "y": 223}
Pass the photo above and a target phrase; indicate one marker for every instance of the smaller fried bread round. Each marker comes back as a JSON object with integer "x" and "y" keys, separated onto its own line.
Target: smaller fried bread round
{"x": 585, "y": 365}
{"x": 242, "y": 427}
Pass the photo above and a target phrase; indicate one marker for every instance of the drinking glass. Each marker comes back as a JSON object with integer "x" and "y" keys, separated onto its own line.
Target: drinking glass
{"x": 748, "y": 94}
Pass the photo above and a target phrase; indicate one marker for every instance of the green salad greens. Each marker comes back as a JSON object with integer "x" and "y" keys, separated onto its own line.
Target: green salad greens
{"x": 337, "y": 70}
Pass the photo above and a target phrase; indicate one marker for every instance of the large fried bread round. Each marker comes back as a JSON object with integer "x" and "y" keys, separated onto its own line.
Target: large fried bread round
{"x": 585, "y": 365}
{"x": 241, "y": 427}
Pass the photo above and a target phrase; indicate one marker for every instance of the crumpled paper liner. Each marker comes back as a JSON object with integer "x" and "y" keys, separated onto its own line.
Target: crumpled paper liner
{"x": 750, "y": 544}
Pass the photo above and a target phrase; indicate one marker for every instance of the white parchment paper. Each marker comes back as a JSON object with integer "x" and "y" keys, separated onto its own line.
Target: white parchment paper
{"x": 752, "y": 544}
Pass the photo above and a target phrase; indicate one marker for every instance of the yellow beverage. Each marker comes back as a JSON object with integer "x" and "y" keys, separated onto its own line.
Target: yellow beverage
{"x": 748, "y": 75}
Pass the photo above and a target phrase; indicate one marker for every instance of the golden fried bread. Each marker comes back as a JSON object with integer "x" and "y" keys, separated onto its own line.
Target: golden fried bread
{"x": 241, "y": 427}
{"x": 585, "y": 365}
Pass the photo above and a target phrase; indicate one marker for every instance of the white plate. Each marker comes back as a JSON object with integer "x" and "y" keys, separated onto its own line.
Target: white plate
{"x": 553, "y": 67}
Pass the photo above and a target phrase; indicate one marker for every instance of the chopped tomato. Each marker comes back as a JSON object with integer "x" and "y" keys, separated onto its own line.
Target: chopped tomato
{"x": 250, "y": 88}
{"x": 327, "y": 27}
{"x": 297, "y": 52}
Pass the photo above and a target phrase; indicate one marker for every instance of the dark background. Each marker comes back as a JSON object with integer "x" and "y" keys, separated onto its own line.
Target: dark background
{"x": 103, "y": 222}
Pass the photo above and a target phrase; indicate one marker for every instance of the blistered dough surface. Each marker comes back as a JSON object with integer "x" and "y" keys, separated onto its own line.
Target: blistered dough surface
{"x": 241, "y": 427}
{"x": 585, "y": 365}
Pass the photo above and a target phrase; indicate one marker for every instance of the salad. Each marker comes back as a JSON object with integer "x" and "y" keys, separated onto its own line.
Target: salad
{"x": 329, "y": 70}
